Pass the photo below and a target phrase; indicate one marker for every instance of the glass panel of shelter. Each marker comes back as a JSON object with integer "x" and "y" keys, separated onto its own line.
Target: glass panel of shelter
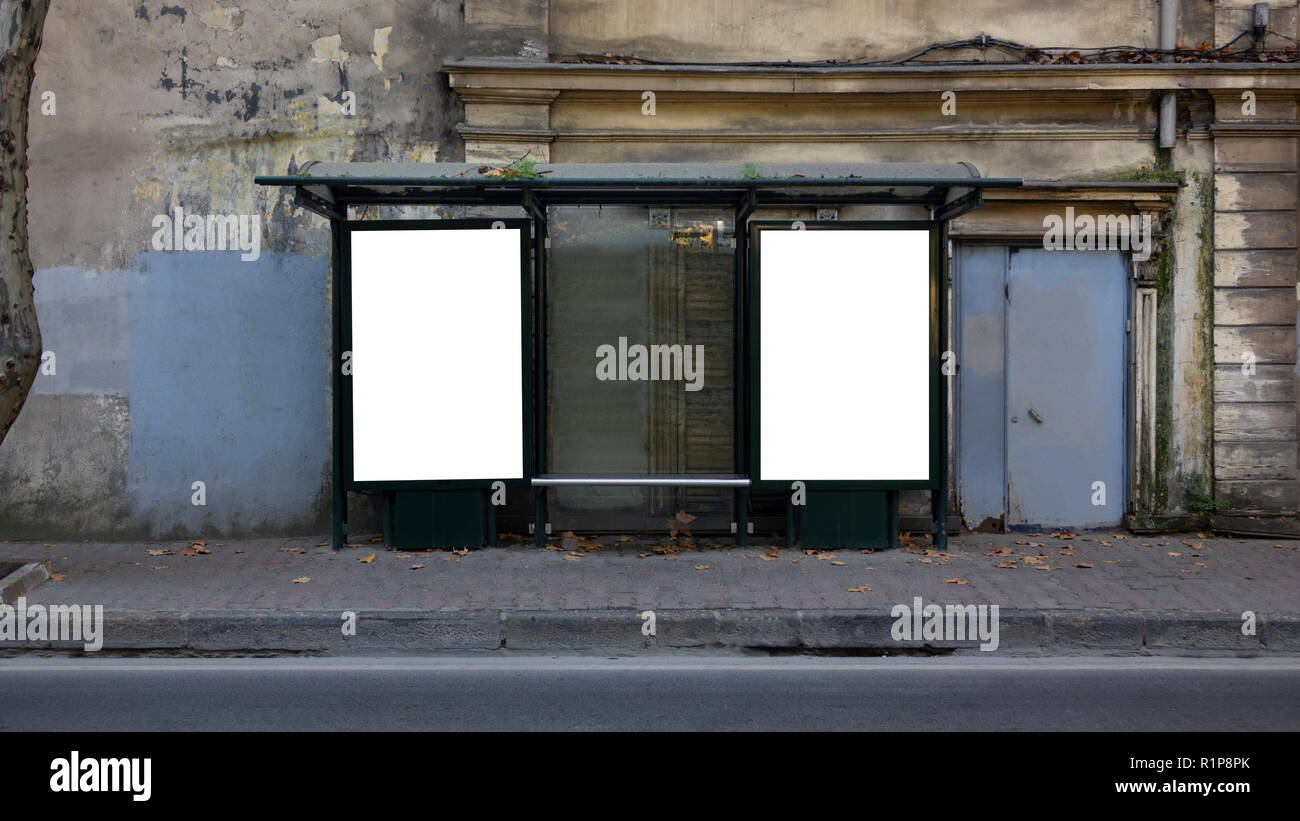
{"x": 640, "y": 363}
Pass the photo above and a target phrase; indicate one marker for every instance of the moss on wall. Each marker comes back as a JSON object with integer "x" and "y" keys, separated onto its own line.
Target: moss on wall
{"x": 1164, "y": 376}
{"x": 1158, "y": 171}
{"x": 1202, "y": 376}
{"x": 1172, "y": 487}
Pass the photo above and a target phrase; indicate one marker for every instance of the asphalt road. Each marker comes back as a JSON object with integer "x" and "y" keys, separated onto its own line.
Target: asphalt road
{"x": 649, "y": 693}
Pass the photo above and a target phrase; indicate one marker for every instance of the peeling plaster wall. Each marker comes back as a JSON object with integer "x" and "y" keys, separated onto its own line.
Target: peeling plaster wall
{"x": 1191, "y": 388}
{"x": 173, "y": 367}
{"x": 741, "y": 30}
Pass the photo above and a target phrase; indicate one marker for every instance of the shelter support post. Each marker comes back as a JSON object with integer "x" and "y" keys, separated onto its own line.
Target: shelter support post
{"x": 339, "y": 494}
{"x": 939, "y": 495}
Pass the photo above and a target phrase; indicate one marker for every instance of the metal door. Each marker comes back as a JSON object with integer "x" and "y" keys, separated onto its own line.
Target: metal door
{"x": 1065, "y": 395}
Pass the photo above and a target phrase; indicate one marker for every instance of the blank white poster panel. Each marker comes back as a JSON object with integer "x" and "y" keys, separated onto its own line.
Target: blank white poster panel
{"x": 844, "y": 359}
{"x": 436, "y": 362}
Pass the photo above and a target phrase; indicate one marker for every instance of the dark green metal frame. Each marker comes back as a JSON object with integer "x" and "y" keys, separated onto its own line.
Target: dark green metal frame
{"x": 343, "y": 342}
{"x": 937, "y": 298}
{"x": 937, "y": 482}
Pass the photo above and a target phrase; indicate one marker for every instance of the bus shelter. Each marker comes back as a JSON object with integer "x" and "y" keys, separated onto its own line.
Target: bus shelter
{"x": 840, "y": 384}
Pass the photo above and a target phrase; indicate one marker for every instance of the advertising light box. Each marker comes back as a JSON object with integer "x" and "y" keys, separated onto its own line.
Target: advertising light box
{"x": 436, "y": 354}
{"x": 843, "y": 355}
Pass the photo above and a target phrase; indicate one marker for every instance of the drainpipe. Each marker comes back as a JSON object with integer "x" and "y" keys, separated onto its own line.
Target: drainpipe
{"x": 1168, "y": 41}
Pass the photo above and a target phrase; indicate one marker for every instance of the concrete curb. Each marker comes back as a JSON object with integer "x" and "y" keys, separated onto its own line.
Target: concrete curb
{"x": 848, "y": 632}
{"x": 23, "y": 581}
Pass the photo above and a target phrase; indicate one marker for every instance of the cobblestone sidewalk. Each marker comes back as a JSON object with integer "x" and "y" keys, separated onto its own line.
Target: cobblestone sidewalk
{"x": 1096, "y": 570}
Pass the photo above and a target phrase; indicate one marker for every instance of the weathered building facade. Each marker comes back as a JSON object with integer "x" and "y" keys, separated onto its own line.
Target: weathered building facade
{"x": 188, "y": 387}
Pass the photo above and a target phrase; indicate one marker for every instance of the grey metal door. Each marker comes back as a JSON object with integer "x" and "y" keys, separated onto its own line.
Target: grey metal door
{"x": 1065, "y": 396}
{"x": 981, "y": 287}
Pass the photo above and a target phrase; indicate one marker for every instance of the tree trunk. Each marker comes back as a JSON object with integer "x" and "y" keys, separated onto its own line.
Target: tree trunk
{"x": 21, "y": 23}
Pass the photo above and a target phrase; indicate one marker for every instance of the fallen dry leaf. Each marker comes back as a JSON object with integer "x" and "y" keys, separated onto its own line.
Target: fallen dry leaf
{"x": 293, "y": 551}
{"x": 1006, "y": 565}
{"x": 956, "y": 581}
{"x": 1103, "y": 543}
{"x": 572, "y": 557}
{"x": 1175, "y": 555}
{"x": 680, "y": 524}
{"x": 863, "y": 589}
{"x": 1084, "y": 565}
{"x": 367, "y": 559}
{"x": 302, "y": 580}
{"x": 160, "y": 567}
{"x": 461, "y": 551}
{"x": 1062, "y": 535}
{"x": 1202, "y": 564}
{"x": 838, "y": 564}
{"x": 416, "y": 566}
{"x": 158, "y": 552}
{"x": 701, "y": 567}
{"x": 239, "y": 550}
{"x": 1004, "y": 550}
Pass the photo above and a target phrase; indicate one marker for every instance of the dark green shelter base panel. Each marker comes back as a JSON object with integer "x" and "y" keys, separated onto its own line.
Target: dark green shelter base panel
{"x": 433, "y": 519}
{"x": 835, "y": 519}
